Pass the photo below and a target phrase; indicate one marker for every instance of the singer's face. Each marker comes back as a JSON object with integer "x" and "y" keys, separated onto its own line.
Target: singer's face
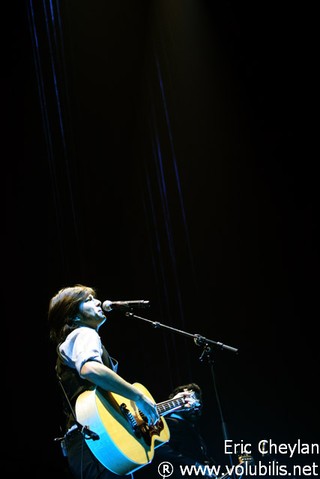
{"x": 91, "y": 313}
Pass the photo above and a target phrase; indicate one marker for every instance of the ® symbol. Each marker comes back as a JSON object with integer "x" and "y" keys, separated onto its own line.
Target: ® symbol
{"x": 165, "y": 469}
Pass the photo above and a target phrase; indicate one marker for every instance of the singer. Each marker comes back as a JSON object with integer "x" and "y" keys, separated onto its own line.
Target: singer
{"x": 75, "y": 316}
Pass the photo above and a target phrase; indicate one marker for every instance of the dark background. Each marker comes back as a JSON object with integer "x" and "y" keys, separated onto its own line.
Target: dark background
{"x": 165, "y": 150}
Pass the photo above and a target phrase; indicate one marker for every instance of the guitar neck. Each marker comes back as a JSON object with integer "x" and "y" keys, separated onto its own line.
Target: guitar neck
{"x": 170, "y": 405}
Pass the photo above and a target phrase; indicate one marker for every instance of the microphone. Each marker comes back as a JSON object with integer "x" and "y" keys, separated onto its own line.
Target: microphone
{"x": 114, "y": 305}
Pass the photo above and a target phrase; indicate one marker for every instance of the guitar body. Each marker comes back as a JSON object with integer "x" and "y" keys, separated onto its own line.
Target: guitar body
{"x": 126, "y": 442}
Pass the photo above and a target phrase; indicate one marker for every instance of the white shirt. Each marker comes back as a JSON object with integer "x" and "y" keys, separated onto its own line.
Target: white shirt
{"x": 81, "y": 345}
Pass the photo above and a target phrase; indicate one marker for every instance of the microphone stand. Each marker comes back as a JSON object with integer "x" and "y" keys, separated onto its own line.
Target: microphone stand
{"x": 198, "y": 339}
{"x": 206, "y": 355}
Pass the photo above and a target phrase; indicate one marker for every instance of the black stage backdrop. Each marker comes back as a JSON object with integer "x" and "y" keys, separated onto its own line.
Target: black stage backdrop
{"x": 165, "y": 150}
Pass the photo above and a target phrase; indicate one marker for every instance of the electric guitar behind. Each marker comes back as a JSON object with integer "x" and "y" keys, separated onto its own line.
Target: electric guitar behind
{"x": 126, "y": 441}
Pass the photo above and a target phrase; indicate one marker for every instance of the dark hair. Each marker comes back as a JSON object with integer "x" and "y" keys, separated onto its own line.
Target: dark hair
{"x": 63, "y": 308}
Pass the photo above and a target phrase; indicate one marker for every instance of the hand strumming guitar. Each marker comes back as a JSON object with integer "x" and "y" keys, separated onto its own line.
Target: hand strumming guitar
{"x": 148, "y": 409}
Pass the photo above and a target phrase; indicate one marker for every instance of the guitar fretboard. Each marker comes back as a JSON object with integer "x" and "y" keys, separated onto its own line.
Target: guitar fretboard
{"x": 169, "y": 405}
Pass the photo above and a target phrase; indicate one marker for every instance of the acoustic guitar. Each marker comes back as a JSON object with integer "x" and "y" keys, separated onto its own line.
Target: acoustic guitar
{"x": 124, "y": 440}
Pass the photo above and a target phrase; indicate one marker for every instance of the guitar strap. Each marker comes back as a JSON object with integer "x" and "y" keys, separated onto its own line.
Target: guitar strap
{"x": 73, "y": 414}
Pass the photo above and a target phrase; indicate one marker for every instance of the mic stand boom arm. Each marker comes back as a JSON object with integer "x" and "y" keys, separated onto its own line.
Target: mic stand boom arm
{"x": 198, "y": 339}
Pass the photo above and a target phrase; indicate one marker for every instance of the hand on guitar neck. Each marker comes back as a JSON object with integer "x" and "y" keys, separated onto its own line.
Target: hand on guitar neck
{"x": 190, "y": 401}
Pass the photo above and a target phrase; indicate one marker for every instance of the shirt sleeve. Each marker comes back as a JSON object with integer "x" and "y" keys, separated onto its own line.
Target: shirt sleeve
{"x": 82, "y": 345}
